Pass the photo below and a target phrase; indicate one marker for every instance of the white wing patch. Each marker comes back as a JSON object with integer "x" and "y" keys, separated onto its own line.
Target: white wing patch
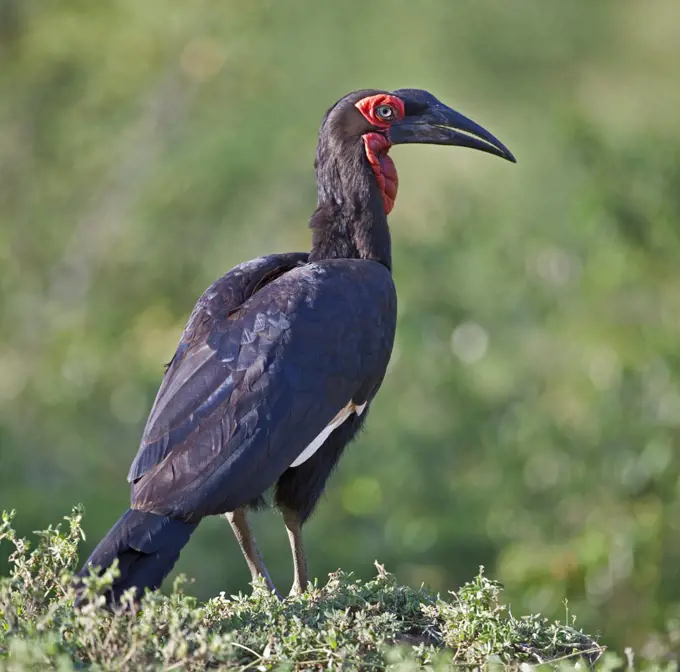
{"x": 334, "y": 424}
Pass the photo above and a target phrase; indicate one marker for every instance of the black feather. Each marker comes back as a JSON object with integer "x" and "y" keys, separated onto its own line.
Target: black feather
{"x": 146, "y": 546}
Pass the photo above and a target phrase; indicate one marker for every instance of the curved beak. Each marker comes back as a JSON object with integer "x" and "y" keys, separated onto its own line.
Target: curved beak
{"x": 440, "y": 125}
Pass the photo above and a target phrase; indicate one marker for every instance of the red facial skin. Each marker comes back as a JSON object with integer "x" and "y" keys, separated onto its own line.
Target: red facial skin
{"x": 377, "y": 144}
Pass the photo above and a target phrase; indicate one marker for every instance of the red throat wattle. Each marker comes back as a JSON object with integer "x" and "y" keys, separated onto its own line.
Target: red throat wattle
{"x": 377, "y": 147}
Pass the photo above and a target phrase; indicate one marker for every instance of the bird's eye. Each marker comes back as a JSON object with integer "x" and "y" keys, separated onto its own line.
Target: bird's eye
{"x": 385, "y": 112}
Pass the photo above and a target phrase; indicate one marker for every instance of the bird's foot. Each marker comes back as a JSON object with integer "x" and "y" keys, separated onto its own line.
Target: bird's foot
{"x": 296, "y": 590}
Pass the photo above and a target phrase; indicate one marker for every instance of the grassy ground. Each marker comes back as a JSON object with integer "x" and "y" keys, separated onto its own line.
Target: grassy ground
{"x": 345, "y": 624}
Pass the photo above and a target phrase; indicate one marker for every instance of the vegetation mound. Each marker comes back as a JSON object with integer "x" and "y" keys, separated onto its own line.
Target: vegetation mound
{"x": 345, "y": 624}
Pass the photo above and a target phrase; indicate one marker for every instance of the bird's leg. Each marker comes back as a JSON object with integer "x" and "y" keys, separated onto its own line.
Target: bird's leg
{"x": 294, "y": 529}
{"x": 246, "y": 540}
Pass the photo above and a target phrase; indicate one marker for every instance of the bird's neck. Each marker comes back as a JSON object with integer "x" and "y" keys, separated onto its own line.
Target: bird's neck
{"x": 350, "y": 220}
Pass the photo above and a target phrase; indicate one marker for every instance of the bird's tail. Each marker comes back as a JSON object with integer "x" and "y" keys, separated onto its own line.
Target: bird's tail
{"x": 146, "y": 545}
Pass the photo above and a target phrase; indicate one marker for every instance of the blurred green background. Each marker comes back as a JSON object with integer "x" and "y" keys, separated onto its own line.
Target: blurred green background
{"x": 530, "y": 418}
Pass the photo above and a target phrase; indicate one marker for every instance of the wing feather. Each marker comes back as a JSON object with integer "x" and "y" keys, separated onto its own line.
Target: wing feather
{"x": 256, "y": 386}
{"x": 198, "y": 376}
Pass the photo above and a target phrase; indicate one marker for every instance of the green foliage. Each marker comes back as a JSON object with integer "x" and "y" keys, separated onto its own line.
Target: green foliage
{"x": 529, "y": 420}
{"x": 345, "y": 624}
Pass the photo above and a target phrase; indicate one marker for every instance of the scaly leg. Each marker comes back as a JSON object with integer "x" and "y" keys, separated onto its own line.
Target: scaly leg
{"x": 244, "y": 535}
{"x": 294, "y": 529}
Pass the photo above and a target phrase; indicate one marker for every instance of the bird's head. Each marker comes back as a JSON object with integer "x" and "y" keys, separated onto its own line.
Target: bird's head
{"x": 380, "y": 119}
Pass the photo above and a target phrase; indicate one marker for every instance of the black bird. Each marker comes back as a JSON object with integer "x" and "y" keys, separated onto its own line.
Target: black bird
{"x": 282, "y": 356}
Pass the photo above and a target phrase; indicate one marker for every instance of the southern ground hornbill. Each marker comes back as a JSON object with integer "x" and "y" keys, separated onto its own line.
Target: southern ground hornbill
{"x": 281, "y": 357}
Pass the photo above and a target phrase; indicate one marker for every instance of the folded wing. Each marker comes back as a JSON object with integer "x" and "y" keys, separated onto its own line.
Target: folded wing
{"x": 254, "y": 382}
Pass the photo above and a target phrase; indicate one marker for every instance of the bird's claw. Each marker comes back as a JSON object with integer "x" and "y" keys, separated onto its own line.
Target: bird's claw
{"x": 296, "y": 590}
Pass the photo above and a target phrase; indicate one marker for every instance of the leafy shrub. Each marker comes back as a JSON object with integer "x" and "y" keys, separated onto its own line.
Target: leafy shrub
{"x": 345, "y": 624}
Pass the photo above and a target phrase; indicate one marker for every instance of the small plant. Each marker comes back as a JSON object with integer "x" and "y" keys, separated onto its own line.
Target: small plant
{"x": 345, "y": 624}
